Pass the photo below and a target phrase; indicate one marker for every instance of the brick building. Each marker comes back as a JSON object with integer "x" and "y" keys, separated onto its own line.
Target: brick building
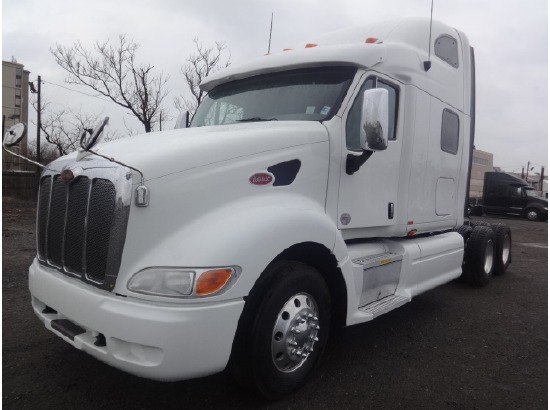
{"x": 482, "y": 162}
{"x": 15, "y": 107}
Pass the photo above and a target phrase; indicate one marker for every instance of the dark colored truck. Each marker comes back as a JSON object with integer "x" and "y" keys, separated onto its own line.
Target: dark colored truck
{"x": 505, "y": 194}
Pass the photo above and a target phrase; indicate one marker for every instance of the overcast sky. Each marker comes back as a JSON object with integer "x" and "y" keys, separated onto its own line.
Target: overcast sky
{"x": 510, "y": 38}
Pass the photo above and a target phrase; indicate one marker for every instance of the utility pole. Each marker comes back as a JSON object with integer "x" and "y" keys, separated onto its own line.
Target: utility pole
{"x": 522, "y": 172}
{"x": 541, "y": 178}
{"x": 527, "y": 174}
{"x": 38, "y": 118}
{"x": 38, "y": 124}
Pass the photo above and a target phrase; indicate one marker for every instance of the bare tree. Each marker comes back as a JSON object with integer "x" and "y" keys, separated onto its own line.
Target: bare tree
{"x": 113, "y": 72}
{"x": 205, "y": 61}
{"x": 48, "y": 153}
{"x": 64, "y": 127}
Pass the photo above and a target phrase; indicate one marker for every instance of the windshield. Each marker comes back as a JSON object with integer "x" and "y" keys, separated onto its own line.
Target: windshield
{"x": 312, "y": 94}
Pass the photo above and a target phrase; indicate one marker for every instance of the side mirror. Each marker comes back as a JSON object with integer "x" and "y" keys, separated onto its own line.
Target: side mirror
{"x": 14, "y": 135}
{"x": 374, "y": 120}
{"x": 93, "y": 138}
{"x": 182, "y": 121}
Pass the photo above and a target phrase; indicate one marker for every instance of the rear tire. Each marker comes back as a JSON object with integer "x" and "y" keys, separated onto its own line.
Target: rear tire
{"x": 464, "y": 231}
{"x": 480, "y": 256}
{"x": 503, "y": 248}
{"x": 283, "y": 330}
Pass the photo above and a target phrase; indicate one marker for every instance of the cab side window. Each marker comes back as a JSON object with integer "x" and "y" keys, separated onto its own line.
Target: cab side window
{"x": 353, "y": 123}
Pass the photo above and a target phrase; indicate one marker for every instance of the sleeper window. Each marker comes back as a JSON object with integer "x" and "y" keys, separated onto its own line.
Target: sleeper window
{"x": 449, "y": 131}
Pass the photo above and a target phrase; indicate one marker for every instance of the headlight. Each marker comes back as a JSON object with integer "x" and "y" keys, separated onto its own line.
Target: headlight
{"x": 181, "y": 282}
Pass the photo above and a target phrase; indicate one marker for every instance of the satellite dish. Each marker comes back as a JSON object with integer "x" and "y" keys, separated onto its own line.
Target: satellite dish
{"x": 14, "y": 135}
{"x": 93, "y": 137}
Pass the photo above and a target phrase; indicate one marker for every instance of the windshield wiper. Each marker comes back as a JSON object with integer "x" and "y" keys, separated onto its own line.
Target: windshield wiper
{"x": 253, "y": 119}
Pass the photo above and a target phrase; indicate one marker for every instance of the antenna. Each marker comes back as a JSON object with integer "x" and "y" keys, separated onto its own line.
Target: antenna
{"x": 270, "y": 31}
{"x": 428, "y": 64}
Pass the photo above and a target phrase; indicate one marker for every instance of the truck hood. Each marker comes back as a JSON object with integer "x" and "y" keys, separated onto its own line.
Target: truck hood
{"x": 158, "y": 154}
{"x": 539, "y": 200}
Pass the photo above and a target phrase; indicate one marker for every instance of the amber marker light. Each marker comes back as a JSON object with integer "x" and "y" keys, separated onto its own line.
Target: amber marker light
{"x": 311, "y": 45}
{"x": 371, "y": 40}
{"x": 212, "y": 281}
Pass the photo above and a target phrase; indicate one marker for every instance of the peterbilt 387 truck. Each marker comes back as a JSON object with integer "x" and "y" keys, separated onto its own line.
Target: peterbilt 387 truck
{"x": 314, "y": 188}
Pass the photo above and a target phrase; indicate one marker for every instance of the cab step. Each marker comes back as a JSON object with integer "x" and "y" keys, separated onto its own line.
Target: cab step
{"x": 372, "y": 261}
{"x": 384, "y": 305}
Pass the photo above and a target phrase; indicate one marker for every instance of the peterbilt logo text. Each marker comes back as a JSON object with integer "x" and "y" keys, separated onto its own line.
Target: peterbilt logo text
{"x": 261, "y": 178}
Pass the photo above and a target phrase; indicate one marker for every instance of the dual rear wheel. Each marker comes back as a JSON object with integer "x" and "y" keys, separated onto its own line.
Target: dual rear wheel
{"x": 488, "y": 251}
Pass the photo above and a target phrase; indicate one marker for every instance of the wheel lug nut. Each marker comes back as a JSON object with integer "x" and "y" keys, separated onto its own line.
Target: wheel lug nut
{"x": 293, "y": 343}
{"x": 295, "y": 330}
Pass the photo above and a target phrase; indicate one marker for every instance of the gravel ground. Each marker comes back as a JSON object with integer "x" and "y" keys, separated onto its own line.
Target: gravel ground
{"x": 454, "y": 347}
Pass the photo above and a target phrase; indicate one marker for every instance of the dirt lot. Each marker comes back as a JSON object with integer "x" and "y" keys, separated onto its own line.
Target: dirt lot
{"x": 453, "y": 347}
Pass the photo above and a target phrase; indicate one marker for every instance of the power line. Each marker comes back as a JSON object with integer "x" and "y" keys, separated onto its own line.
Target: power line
{"x": 99, "y": 96}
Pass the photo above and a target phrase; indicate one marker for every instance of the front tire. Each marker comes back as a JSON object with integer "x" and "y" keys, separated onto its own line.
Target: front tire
{"x": 532, "y": 214}
{"x": 283, "y": 330}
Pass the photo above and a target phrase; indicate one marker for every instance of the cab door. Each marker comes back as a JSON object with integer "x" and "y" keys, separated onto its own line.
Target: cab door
{"x": 368, "y": 198}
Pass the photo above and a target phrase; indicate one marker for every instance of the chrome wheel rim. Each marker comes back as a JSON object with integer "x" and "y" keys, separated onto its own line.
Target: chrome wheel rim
{"x": 532, "y": 215}
{"x": 295, "y": 332}
{"x": 489, "y": 253}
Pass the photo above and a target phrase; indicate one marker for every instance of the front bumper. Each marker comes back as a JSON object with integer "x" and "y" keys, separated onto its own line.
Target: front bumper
{"x": 158, "y": 341}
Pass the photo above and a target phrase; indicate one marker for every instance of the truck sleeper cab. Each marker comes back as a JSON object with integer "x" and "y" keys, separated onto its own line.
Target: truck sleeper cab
{"x": 507, "y": 195}
{"x": 315, "y": 188}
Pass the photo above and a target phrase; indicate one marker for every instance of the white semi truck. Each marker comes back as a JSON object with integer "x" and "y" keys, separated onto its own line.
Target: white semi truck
{"x": 315, "y": 188}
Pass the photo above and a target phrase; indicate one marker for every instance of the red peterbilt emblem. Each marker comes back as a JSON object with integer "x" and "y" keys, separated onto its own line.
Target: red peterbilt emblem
{"x": 261, "y": 178}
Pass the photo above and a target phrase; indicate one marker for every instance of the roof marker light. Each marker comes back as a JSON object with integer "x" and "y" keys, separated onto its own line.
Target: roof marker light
{"x": 370, "y": 40}
{"x": 288, "y": 49}
{"x": 311, "y": 45}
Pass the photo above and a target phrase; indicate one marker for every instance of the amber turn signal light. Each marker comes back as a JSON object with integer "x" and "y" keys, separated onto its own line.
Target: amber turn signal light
{"x": 212, "y": 281}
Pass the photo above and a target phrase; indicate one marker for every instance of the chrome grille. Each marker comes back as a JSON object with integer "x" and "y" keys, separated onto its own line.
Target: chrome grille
{"x": 81, "y": 224}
